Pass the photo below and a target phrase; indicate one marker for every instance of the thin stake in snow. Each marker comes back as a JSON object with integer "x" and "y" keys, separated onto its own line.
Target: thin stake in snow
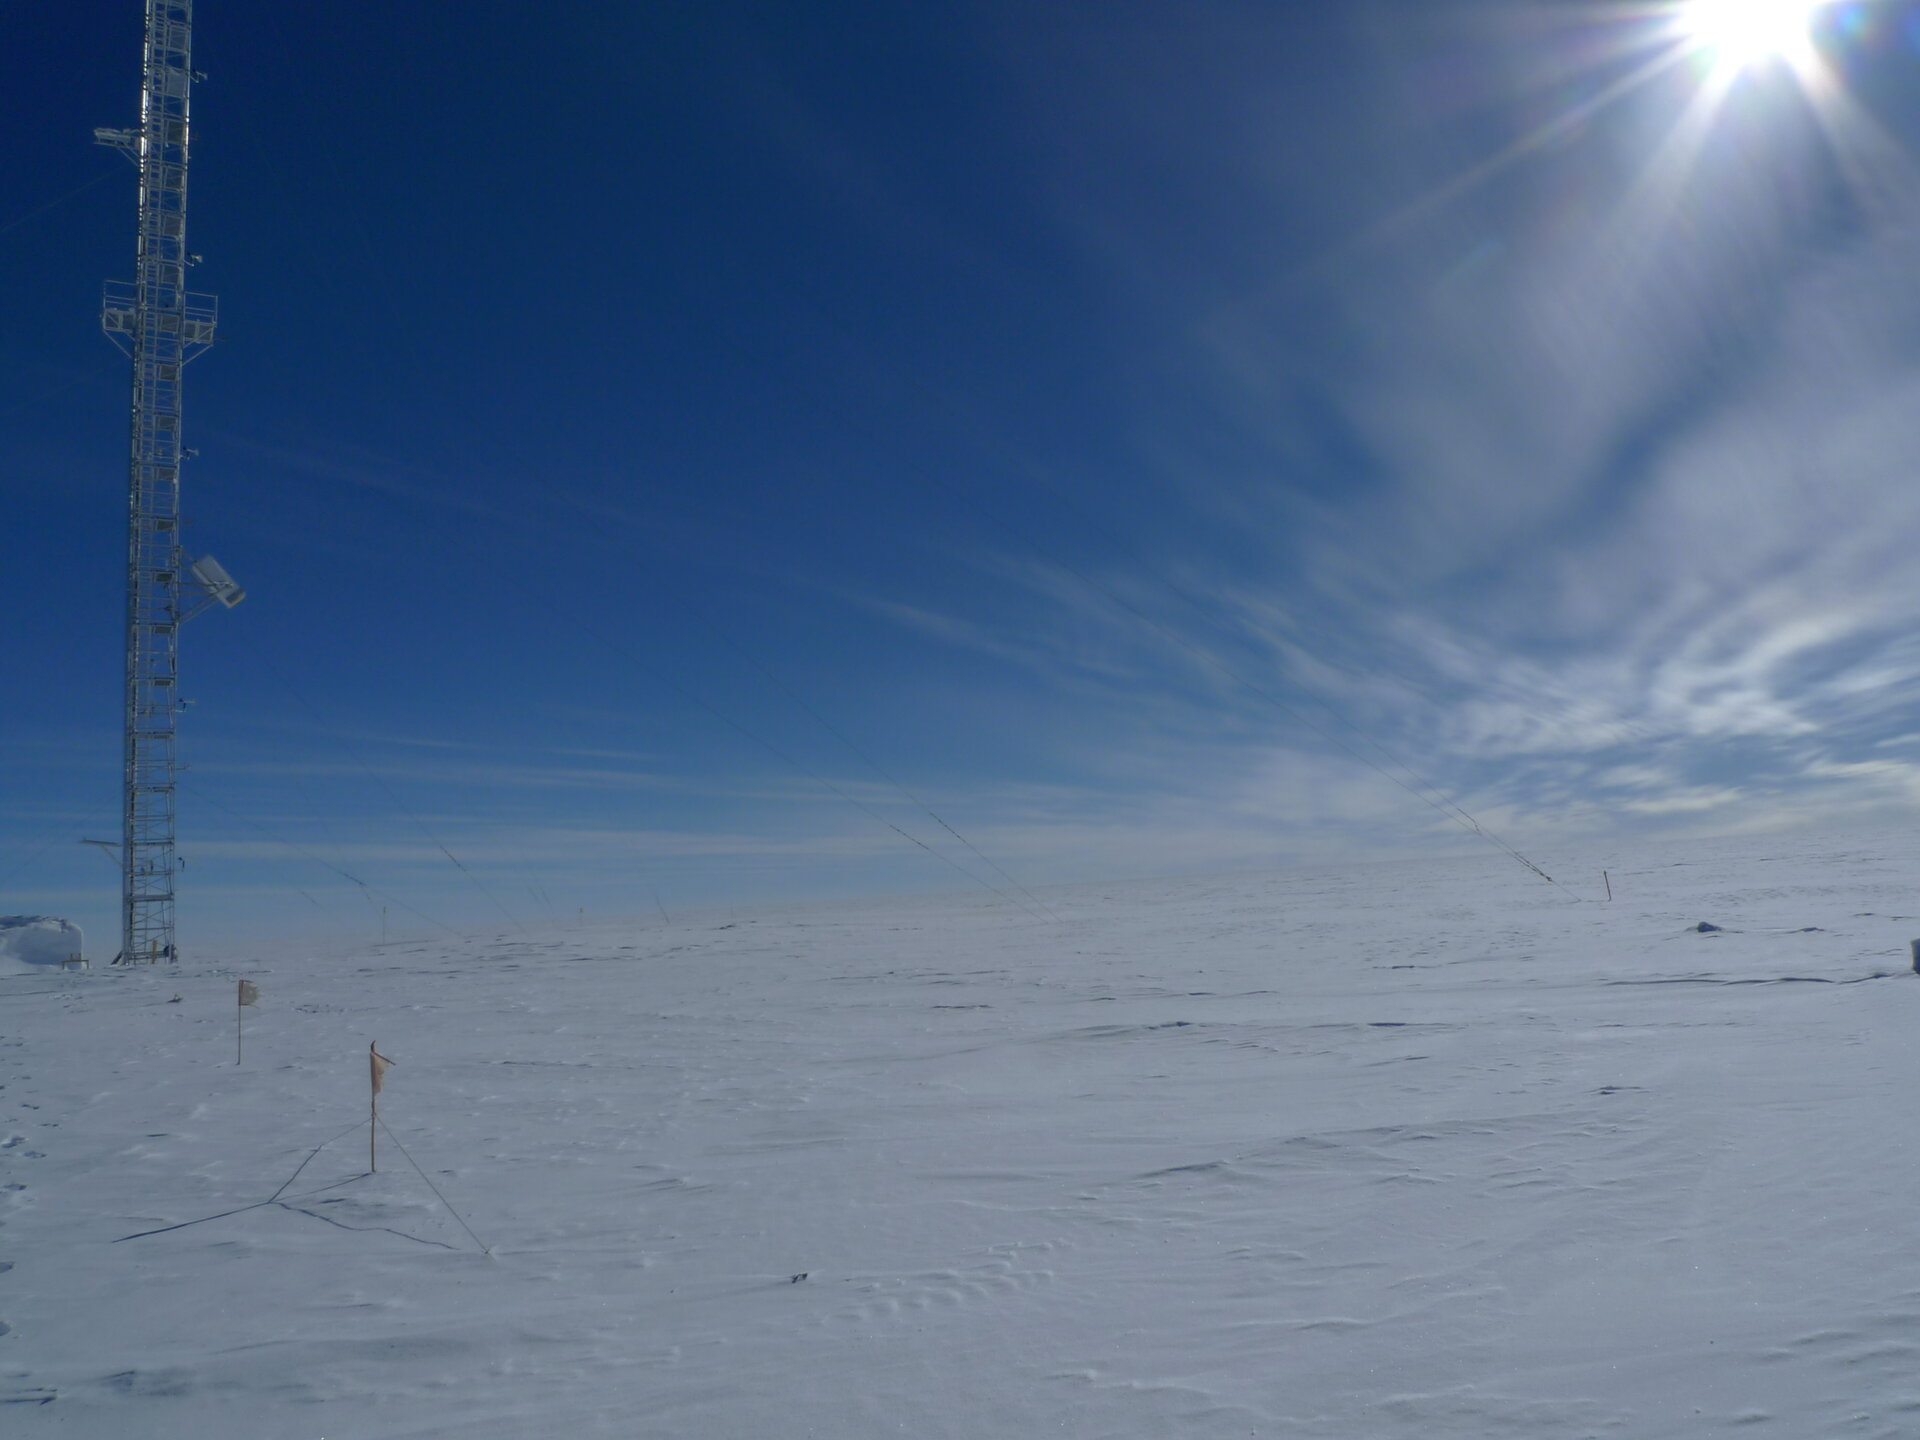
{"x": 376, "y": 1068}
{"x": 249, "y": 993}
{"x": 1609, "y": 884}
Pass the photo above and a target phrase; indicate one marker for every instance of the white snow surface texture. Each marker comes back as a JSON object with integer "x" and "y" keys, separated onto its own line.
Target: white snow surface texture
{"x": 1424, "y": 1149}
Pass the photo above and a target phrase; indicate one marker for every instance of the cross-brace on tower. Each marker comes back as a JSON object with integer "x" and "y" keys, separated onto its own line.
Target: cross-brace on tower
{"x": 159, "y": 325}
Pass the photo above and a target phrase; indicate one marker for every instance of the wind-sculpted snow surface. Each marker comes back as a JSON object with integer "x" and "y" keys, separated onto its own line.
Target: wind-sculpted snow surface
{"x": 1388, "y": 1152}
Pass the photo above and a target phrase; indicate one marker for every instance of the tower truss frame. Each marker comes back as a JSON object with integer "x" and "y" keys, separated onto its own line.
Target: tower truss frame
{"x": 160, "y": 325}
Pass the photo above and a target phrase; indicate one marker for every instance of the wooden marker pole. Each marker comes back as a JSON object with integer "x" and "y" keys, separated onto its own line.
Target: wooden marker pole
{"x": 1609, "y": 884}
{"x": 245, "y": 996}
{"x": 376, "y": 1067}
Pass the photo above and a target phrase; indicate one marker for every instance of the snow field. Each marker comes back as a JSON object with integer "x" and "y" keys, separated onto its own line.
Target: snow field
{"x": 1422, "y": 1149}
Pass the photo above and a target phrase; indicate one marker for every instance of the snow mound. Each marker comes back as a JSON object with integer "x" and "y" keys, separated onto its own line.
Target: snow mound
{"x": 36, "y": 940}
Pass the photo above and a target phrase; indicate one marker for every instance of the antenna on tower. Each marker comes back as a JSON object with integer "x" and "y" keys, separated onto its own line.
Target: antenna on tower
{"x": 160, "y": 326}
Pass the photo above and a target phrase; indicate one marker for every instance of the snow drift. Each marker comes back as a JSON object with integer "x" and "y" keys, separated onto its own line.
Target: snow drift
{"x": 31, "y": 940}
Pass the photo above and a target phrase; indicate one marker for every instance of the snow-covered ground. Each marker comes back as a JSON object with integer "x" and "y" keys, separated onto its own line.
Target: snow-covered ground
{"x": 1411, "y": 1150}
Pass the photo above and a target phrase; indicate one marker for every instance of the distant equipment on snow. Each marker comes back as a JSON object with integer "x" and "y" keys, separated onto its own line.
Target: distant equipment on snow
{"x": 39, "y": 940}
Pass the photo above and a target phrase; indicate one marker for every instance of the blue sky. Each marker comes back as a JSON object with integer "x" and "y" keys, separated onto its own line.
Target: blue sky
{"x": 673, "y": 449}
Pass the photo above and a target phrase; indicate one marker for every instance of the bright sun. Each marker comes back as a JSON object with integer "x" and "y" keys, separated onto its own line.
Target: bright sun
{"x": 1739, "y": 33}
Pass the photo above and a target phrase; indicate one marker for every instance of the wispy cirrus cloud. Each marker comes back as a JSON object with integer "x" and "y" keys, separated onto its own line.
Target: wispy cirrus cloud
{"x": 1599, "y": 467}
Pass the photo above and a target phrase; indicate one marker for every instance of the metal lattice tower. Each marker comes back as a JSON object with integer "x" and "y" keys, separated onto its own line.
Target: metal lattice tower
{"x": 160, "y": 326}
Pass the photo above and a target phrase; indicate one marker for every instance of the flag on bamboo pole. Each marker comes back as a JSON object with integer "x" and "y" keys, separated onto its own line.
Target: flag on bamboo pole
{"x": 377, "y": 1064}
{"x": 249, "y": 992}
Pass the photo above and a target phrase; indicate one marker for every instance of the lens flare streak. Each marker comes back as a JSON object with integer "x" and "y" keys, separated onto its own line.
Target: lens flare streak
{"x": 1739, "y": 34}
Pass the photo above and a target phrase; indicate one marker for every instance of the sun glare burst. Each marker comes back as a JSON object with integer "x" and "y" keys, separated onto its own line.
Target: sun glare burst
{"x": 1740, "y": 33}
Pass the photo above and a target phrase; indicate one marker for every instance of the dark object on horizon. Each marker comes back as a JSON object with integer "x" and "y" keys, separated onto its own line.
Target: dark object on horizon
{"x": 1706, "y": 927}
{"x": 1913, "y": 949}
{"x": 798, "y": 1278}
